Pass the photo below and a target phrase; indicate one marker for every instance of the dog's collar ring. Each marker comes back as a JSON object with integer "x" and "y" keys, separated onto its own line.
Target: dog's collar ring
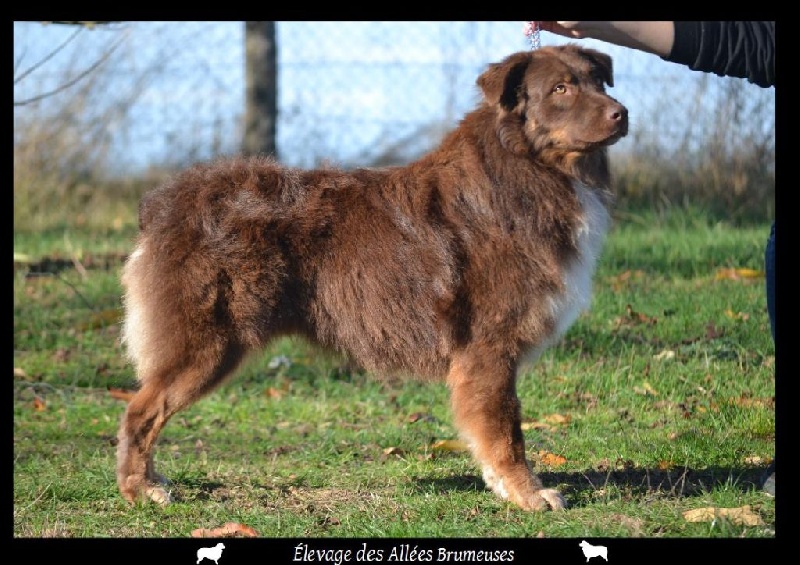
{"x": 532, "y": 30}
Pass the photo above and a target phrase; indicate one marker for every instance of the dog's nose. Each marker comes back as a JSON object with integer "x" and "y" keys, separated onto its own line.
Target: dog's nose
{"x": 617, "y": 113}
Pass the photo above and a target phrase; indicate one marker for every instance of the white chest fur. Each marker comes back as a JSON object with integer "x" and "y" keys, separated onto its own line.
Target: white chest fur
{"x": 577, "y": 276}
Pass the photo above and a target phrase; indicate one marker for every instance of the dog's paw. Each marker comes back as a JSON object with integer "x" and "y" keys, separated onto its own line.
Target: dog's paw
{"x": 554, "y": 498}
{"x": 546, "y": 498}
{"x": 137, "y": 488}
{"x": 158, "y": 495}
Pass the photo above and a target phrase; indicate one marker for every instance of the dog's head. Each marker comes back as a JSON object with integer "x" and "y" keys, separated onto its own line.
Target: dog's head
{"x": 554, "y": 98}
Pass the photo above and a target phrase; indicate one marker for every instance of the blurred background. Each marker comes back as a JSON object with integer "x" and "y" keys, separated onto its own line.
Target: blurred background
{"x": 105, "y": 110}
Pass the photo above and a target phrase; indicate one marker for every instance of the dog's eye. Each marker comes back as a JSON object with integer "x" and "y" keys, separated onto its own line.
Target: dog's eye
{"x": 560, "y": 89}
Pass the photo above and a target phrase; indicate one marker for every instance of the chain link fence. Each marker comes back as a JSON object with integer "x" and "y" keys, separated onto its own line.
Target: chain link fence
{"x": 349, "y": 93}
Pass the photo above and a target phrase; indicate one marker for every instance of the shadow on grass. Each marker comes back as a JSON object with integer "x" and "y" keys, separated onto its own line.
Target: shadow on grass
{"x": 646, "y": 483}
{"x": 201, "y": 489}
{"x": 53, "y": 265}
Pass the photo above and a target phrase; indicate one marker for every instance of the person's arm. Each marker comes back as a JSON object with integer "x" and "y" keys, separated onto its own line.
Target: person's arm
{"x": 653, "y": 37}
{"x": 737, "y": 49}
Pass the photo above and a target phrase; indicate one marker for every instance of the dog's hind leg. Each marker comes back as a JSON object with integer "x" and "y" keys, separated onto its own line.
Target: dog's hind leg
{"x": 163, "y": 393}
{"x": 180, "y": 335}
{"x": 487, "y": 414}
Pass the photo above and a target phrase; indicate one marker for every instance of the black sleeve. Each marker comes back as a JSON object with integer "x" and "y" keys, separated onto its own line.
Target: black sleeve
{"x": 737, "y": 49}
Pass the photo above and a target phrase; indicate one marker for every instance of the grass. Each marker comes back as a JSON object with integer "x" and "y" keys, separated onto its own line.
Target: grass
{"x": 658, "y": 401}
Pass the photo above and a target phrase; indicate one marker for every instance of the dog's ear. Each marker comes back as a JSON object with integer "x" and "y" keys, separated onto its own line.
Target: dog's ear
{"x": 601, "y": 62}
{"x": 501, "y": 81}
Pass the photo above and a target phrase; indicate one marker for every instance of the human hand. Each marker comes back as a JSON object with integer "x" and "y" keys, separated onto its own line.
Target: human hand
{"x": 653, "y": 37}
{"x": 567, "y": 29}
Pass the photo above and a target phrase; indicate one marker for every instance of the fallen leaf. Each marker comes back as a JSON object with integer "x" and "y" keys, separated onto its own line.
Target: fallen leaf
{"x": 665, "y": 465}
{"x": 19, "y": 373}
{"x": 743, "y": 516}
{"x": 705, "y": 514}
{"x": 420, "y": 416}
{"x": 620, "y": 280}
{"x": 638, "y": 316}
{"x": 393, "y": 451}
{"x": 550, "y": 459}
{"x": 749, "y": 402}
{"x": 664, "y": 355}
{"x": 737, "y": 315}
{"x": 121, "y": 394}
{"x": 227, "y": 530}
{"x": 558, "y": 419}
{"x": 329, "y": 521}
{"x": 645, "y": 389}
{"x": 273, "y": 392}
{"x": 549, "y": 422}
{"x": 39, "y": 403}
{"x": 536, "y": 425}
{"x": 632, "y": 318}
{"x": 450, "y": 445}
{"x": 101, "y": 319}
{"x": 738, "y": 274}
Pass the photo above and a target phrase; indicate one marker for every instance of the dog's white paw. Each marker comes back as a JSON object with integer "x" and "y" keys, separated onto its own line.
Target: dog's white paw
{"x": 544, "y": 498}
{"x": 554, "y": 498}
{"x": 158, "y": 495}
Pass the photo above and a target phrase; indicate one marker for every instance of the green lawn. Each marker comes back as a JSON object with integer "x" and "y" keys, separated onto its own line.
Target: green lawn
{"x": 658, "y": 402}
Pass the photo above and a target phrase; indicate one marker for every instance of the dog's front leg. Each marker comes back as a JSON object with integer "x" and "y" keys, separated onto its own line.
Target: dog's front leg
{"x": 487, "y": 414}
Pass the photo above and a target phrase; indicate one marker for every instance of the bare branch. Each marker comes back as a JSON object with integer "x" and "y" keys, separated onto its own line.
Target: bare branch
{"x": 86, "y": 24}
{"x": 18, "y": 60}
{"x": 47, "y": 57}
{"x": 75, "y": 79}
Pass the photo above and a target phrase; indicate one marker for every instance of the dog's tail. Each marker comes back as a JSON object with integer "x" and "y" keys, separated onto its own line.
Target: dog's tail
{"x": 138, "y": 326}
{"x": 149, "y": 330}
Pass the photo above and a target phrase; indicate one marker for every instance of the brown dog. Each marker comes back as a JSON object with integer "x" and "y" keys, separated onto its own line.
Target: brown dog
{"x": 458, "y": 266}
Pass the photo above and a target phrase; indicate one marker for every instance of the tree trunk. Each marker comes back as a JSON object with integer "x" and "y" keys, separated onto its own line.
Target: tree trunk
{"x": 261, "y": 89}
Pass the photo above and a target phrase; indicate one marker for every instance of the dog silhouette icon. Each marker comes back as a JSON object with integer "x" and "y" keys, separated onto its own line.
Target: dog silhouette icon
{"x": 210, "y": 553}
{"x": 590, "y": 550}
